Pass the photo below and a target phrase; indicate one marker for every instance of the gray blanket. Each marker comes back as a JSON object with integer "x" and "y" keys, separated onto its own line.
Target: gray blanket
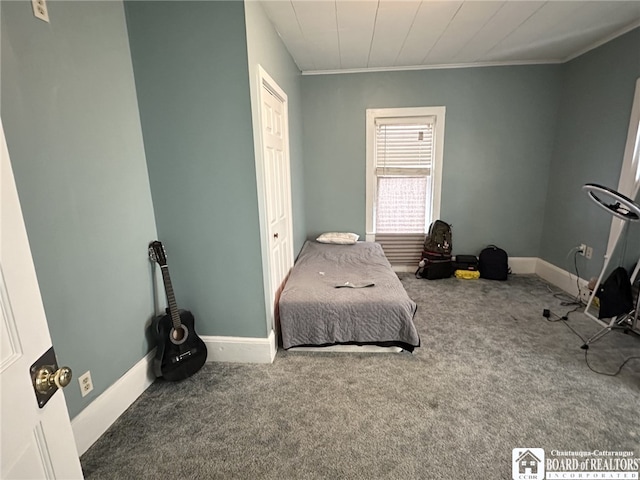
{"x": 375, "y": 309}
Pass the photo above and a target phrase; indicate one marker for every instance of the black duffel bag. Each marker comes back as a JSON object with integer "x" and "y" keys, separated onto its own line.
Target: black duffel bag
{"x": 466, "y": 262}
{"x": 434, "y": 266}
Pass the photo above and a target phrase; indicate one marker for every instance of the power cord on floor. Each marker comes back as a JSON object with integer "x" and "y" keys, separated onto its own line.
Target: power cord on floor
{"x": 577, "y": 300}
{"x": 547, "y": 315}
{"x": 586, "y": 359}
{"x": 575, "y": 264}
{"x": 565, "y": 298}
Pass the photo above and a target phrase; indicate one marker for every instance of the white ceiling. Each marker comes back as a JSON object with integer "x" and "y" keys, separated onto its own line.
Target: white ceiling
{"x": 325, "y": 36}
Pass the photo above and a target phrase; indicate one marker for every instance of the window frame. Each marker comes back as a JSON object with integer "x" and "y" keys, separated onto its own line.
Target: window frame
{"x": 628, "y": 183}
{"x": 372, "y": 114}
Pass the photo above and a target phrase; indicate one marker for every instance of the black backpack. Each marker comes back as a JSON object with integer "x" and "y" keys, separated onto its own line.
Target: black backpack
{"x": 493, "y": 263}
{"x": 439, "y": 238}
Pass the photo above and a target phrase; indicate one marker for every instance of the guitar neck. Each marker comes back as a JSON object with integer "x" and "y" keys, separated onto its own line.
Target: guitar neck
{"x": 171, "y": 299}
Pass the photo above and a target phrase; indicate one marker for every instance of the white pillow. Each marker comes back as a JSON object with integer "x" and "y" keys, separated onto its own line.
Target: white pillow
{"x": 341, "y": 238}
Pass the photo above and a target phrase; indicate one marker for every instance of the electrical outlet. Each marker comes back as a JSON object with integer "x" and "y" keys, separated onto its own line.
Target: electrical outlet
{"x": 40, "y": 9}
{"x": 582, "y": 249}
{"x": 86, "y": 385}
{"x": 589, "y": 253}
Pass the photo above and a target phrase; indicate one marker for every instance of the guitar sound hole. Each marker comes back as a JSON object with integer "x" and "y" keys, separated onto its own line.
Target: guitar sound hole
{"x": 179, "y": 335}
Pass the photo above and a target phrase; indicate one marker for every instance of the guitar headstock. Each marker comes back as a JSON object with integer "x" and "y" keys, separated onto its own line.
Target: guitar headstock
{"x": 157, "y": 253}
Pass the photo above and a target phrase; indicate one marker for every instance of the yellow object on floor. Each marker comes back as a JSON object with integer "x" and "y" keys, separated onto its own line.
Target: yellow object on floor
{"x": 467, "y": 274}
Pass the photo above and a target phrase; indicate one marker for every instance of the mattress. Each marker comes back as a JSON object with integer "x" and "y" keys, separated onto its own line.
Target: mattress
{"x": 345, "y": 294}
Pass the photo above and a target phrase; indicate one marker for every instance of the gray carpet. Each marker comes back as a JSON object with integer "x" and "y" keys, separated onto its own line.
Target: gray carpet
{"x": 491, "y": 375}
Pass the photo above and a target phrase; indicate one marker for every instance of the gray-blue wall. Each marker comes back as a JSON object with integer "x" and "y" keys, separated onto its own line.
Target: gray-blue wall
{"x": 265, "y": 48}
{"x": 595, "y": 106}
{"x": 191, "y": 73}
{"x": 84, "y": 182}
{"x": 71, "y": 120}
{"x": 500, "y": 125}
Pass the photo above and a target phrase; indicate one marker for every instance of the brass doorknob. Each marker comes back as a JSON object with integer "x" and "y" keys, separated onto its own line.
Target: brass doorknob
{"x": 47, "y": 379}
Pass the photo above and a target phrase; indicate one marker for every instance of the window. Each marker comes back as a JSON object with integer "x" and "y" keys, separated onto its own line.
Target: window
{"x": 404, "y": 171}
{"x": 403, "y": 157}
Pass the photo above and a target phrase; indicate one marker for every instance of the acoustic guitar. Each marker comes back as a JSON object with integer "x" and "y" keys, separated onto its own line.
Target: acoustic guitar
{"x": 180, "y": 352}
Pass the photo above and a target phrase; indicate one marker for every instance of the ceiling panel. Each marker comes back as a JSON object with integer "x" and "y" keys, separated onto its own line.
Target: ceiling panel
{"x": 317, "y": 20}
{"x": 289, "y": 30}
{"x": 468, "y": 21}
{"x": 431, "y": 21}
{"x": 551, "y": 32}
{"x": 356, "y": 20}
{"x": 506, "y": 20}
{"x": 609, "y": 15}
{"x": 334, "y": 35}
{"x": 393, "y": 22}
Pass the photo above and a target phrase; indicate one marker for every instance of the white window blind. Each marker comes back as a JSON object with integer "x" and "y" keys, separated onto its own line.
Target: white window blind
{"x": 403, "y": 148}
{"x": 404, "y": 152}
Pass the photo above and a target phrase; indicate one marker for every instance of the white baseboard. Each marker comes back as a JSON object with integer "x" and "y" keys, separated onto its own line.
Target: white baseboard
{"x": 241, "y": 349}
{"x": 521, "y": 265}
{"x": 100, "y": 414}
{"x": 561, "y": 278}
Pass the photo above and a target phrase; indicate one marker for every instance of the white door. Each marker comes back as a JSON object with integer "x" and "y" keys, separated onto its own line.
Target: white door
{"x": 37, "y": 443}
{"x": 275, "y": 145}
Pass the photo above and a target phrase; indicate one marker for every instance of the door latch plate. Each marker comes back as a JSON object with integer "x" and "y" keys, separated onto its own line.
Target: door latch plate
{"x": 48, "y": 359}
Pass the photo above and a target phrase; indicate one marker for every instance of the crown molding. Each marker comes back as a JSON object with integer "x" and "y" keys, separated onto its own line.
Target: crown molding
{"x": 432, "y": 67}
